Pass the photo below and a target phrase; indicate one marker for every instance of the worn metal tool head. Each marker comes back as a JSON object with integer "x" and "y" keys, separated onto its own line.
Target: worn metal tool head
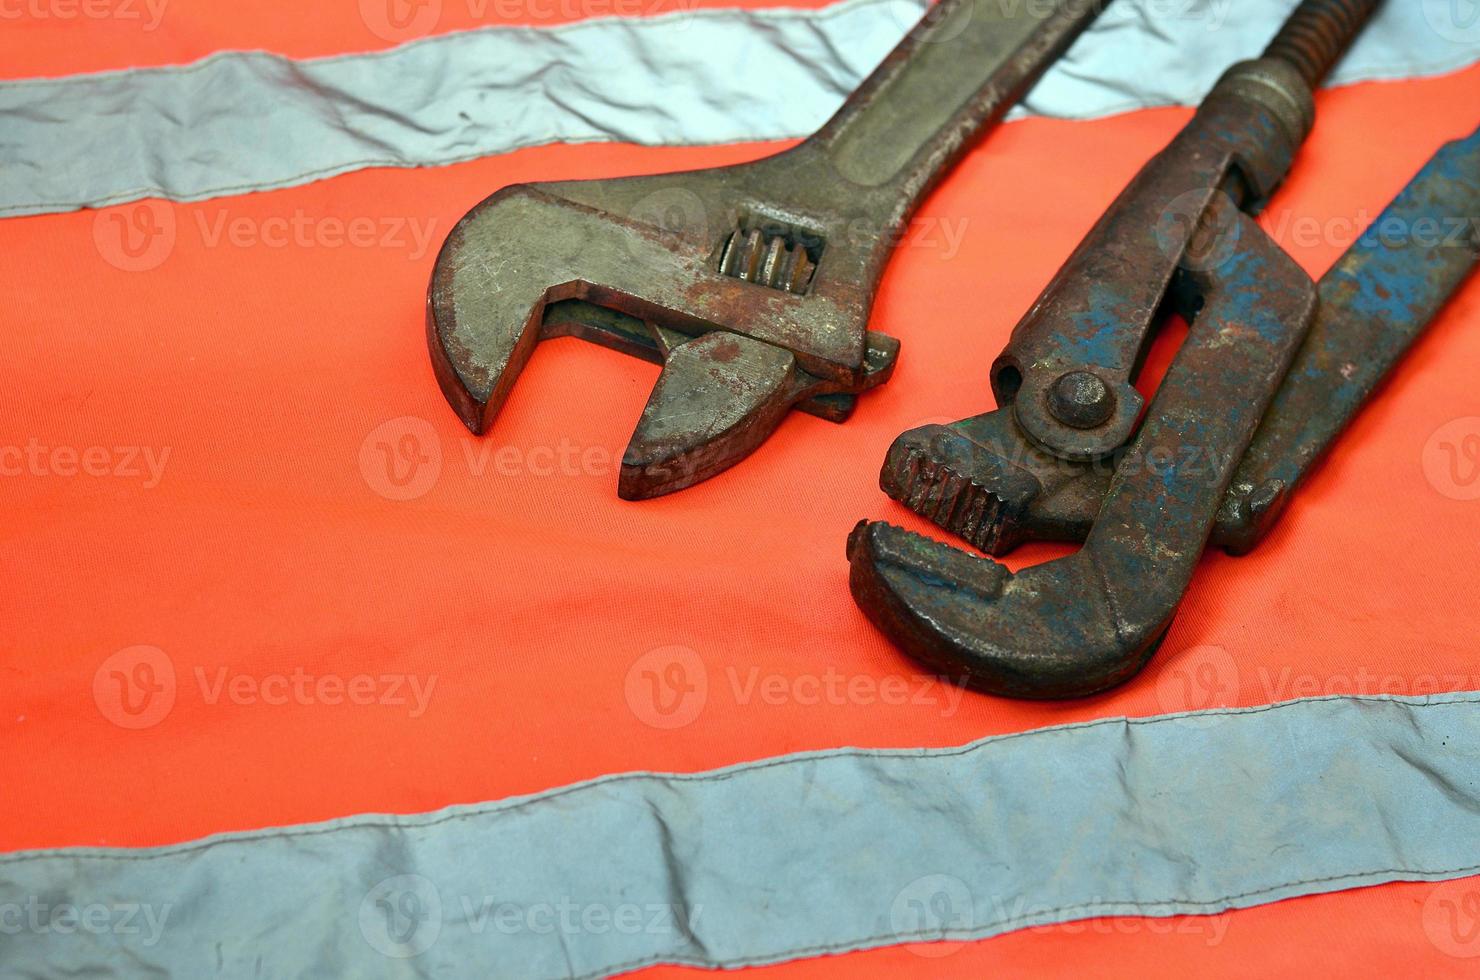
{"x": 1068, "y": 370}
{"x": 671, "y": 254}
{"x": 1054, "y": 462}
{"x": 1081, "y": 624}
{"x": 752, "y": 284}
{"x": 983, "y": 479}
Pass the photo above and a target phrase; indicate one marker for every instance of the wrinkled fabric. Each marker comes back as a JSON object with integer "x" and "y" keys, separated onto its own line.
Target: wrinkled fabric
{"x": 790, "y": 857}
{"x": 251, "y": 121}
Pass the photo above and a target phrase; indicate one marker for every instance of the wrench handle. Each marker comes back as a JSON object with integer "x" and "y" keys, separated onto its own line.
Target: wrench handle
{"x": 1375, "y": 303}
{"x": 955, "y": 74}
{"x": 1318, "y": 34}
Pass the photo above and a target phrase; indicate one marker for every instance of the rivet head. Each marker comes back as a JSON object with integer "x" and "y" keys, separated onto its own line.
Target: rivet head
{"x": 1081, "y": 399}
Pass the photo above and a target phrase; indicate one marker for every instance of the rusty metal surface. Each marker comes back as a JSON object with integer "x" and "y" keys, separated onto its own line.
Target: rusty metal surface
{"x": 1317, "y": 34}
{"x": 1081, "y": 624}
{"x": 785, "y": 252}
{"x": 983, "y": 480}
{"x": 1058, "y": 459}
{"x": 1098, "y": 315}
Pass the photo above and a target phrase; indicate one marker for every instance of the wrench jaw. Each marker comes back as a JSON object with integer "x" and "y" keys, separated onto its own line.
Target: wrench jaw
{"x": 1082, "y": 624}
{"x": 962, "y": 485}
{"x": 985, "y": 481}
{"x": 540, "y": 261}
{"x": 1374, "y": 303}
{"x": 719, "y": 397}
{"x": 1048, "y": 632}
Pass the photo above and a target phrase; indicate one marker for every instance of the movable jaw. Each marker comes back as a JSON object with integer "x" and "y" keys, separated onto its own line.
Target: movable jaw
{"x": 749, "y": 317}
{"x": 984, "y": 480}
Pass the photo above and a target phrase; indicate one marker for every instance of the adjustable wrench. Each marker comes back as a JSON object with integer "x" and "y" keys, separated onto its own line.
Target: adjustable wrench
{"x": 751, "y": 284}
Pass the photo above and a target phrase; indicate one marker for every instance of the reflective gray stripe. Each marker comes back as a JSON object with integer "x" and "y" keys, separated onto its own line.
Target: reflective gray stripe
{"x": 791, "y": 857}
{"x": 252, "y": 121}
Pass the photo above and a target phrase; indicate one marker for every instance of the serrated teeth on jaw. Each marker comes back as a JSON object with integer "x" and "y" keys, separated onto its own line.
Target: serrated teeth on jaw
{"x": 769, "y": 260}
{"x": 951, "y": 500}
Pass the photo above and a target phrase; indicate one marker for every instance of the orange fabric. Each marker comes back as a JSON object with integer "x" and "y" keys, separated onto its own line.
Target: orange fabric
{"x": 266, "y": 355}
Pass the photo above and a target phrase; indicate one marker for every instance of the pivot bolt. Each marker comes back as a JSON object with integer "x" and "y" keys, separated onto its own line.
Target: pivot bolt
{"x": 1081, "y": 399}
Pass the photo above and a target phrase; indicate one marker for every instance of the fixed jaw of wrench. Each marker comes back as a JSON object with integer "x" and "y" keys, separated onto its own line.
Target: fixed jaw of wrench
{"x": 986, "y": 481}
{"x": 752, "y": 285}
{"x": 1179, "y": 237}
{"x": 1084, "y": 623}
